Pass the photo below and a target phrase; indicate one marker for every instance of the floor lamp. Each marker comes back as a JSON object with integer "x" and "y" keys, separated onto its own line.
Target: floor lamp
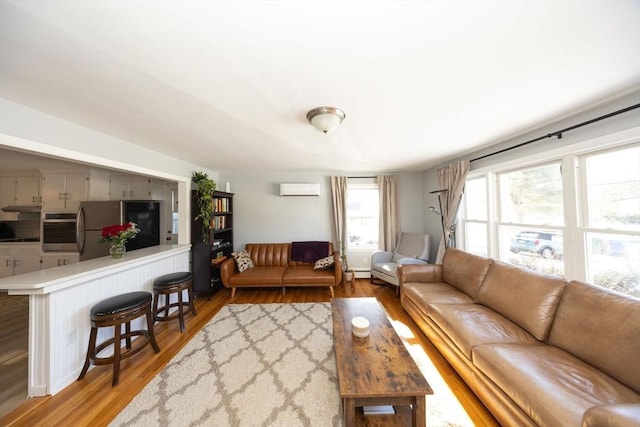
{"x": 439, "y": 212}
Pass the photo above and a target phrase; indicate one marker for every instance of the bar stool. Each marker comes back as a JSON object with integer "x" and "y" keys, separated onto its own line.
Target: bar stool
{"x": 114, "y": 312}
{"x": 168, "y": 284}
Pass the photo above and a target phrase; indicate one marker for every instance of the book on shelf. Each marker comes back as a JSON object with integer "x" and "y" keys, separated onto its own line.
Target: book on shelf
{"x": 221, "y": 204}
{"x": 379, "y": 410}
{"x": 219, "y": 222}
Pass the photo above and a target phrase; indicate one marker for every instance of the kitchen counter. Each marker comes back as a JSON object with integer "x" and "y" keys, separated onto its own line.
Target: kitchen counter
{"x": 60, "y": 299}
{"x": 54, "y": 279}
{"x": 23, "y": 243}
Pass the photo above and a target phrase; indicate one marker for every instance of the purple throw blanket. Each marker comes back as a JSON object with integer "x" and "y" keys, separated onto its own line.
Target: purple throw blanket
{"x": 309, "y": 251}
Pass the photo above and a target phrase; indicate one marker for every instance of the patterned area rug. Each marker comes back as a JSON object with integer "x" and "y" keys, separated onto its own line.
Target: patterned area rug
{"x": 252, "y": 365}
{"x": 265, "y": 365}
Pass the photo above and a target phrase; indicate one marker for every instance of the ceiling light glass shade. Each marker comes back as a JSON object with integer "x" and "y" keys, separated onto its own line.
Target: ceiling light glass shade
{"x": 325, "y": 119}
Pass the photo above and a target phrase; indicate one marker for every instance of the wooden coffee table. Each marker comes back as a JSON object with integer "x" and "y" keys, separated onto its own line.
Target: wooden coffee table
{"x": 376, "y": 370}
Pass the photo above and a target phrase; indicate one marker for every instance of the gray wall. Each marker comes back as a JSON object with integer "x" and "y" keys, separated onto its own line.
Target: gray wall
{"x": 261, "y": 215}
{"x": 432, "y": 222}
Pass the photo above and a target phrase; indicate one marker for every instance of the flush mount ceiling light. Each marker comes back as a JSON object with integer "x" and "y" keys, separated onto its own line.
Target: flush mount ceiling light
{"x": 325, "y": 119}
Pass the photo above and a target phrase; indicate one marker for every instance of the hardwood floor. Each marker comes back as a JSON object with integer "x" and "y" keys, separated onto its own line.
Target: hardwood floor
{"x": 14, "y": 342}
{"x": 93, "y": 402}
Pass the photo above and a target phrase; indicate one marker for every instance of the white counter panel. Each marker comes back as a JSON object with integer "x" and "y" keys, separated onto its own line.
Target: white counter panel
{"x": 60, "y": 300}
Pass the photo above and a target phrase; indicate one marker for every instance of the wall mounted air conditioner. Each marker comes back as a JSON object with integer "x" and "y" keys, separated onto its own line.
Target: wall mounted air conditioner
{"x": 299, "y": 189}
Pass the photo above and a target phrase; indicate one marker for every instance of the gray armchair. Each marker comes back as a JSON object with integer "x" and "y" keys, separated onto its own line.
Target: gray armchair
{"x": 412, "y": 248}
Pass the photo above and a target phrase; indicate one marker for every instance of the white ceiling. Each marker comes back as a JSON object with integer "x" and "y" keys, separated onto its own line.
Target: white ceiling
{"x": 227, "y": 84}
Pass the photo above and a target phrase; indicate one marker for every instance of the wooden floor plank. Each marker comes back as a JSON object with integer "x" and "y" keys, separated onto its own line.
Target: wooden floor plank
{"x": 94, "y": 402}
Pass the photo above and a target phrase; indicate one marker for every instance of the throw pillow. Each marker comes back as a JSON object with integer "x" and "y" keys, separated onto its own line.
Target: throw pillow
{"x": 243, "y": 260}
{"x": 324, "y": 263}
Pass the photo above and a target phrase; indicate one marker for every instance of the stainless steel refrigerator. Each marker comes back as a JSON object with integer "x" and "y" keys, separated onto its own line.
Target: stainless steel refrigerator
{"x": 93, "y": 216}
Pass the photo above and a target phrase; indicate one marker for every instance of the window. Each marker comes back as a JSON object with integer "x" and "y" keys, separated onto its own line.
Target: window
{"x": 612, "y": 231}
{"x": 362, "y": 215}
{"x": 524, "y": 216}
{"x": 475, "y": 212}
{"x": 530, "y": 218}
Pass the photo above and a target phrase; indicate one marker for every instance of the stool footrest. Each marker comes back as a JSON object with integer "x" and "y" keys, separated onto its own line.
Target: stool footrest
{"x": 137, "y": 345}
{"x": 174, "y": 315}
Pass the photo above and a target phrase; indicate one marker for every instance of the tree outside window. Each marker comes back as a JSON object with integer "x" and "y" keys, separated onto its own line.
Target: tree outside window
{"x": 613, "y": 226}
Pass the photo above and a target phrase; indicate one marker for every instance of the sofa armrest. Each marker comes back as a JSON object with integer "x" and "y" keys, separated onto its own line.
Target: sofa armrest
{"x": 415, "y": 261}
{"x": 227, "y": 269}
{"x": 381, "y": 256}
{"x": 337, "y": 267}
{"x": 618, "y": 415}
{"x": 425, "y": 273}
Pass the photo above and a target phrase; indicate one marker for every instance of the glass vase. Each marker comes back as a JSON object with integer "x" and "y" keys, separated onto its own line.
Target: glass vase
{"x": 117, "y": 250}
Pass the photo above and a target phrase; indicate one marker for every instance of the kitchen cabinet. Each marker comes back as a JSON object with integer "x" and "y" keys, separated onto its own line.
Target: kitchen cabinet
{"x": 63, "y": 191}
{"x": 19, "y": 260}
{"x": 18, "y": 189}
{"x": 50, "y": 260}
{"x": 7, "y": 197}
{"x": 129, "y": 187}
{"x": 26, "y": 259}
{"x": 98, "y": 185}
{"x": 27, "y": 190}
{"x": 6, "y": 262}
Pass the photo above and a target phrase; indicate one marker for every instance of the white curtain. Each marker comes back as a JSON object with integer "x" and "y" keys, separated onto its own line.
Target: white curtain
{"x": 339, "y": 205}
{"x": 451, "y": 178}
{"x": 389, "y": 212}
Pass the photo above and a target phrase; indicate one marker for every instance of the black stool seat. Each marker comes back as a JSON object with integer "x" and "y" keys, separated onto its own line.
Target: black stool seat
{"x": 120, "y": 303}
{"x": 168, "y": 284}
{"x": 173, "y": 279}
{"x": 116, "y": 311}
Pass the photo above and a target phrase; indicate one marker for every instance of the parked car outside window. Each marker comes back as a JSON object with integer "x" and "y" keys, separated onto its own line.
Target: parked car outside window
{"x": 546, "y": 244}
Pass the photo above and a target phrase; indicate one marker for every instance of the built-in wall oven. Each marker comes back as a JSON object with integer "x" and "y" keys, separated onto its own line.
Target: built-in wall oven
{"x": 60, "y": 232}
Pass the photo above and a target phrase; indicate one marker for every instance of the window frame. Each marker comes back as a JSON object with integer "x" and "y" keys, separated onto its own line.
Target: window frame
{"x": 369, "y": 184}
{"x": 574, "y": 184}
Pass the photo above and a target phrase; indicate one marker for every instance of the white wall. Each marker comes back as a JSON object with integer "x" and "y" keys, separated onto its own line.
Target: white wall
{"x": 627, "y": 123}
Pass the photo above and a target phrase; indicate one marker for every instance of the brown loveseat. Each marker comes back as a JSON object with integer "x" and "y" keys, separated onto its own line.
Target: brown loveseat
{"x": 273, "y": 267}
{"x": 536, "y": 350}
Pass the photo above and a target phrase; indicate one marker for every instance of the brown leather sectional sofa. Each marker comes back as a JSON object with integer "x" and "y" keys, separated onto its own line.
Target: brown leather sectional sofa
{"x": 273, "y": 267}
{"x": 536, "y": 350}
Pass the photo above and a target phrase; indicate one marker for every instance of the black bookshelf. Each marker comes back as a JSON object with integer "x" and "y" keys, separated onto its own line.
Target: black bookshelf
{"x": 206, "y": 256}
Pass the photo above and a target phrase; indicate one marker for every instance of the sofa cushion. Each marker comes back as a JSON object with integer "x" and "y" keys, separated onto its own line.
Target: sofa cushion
{"x": 470, "y": 325}
{"x": 553, "y": 387}
{"x": 602, "y": 328}
{"x": 258, "y": 276}
{"x": 269, "y": 254}
{"x": 434, "y": 293}
{"x": 421, "y": 294}
{"x": 305, "y": 275}
{"x": 620, "y": 415}
{"x": 242, "y": 260}
{"x": 463, "y": 270}
{"x": 527, "y": 298}
{"x": 388, "y": 268}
